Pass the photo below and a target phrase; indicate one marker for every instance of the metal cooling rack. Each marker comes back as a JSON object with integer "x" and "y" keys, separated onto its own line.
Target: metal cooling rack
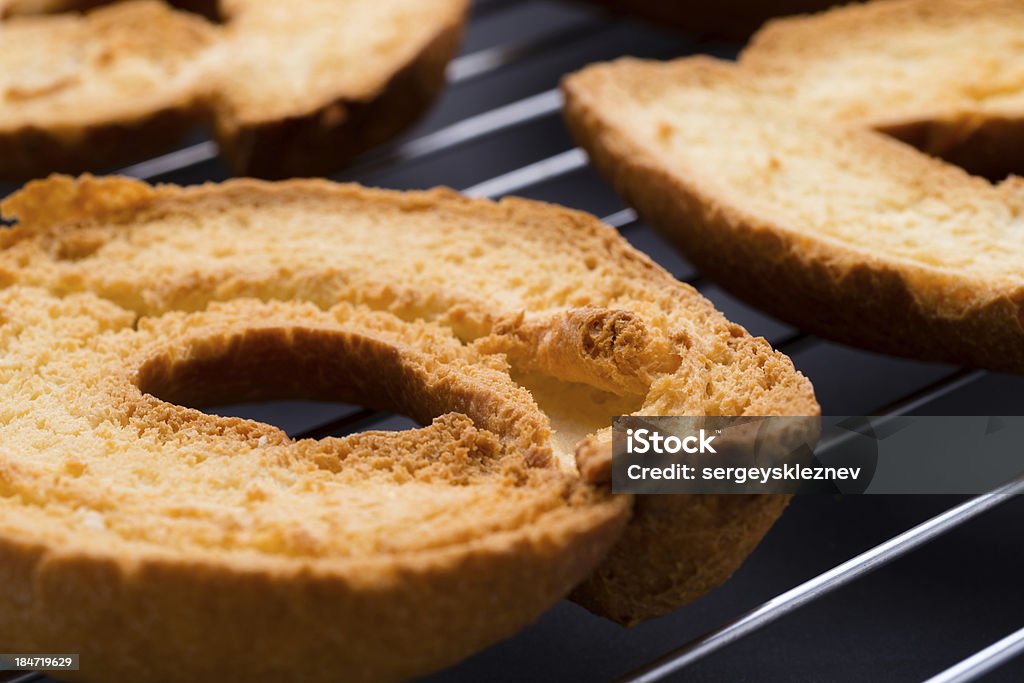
{"x": 496, "y": 131}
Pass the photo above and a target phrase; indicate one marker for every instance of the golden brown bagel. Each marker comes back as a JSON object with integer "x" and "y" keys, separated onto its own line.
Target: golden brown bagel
{"x": 290, "y": 89}
{"x": 779, "y": 176}
{"x": 513, "y": 331}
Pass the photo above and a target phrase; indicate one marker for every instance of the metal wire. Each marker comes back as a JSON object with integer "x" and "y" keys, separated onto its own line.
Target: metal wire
{"x": 172, "y": 161}
{"x": 349, "y": 422}
{"x": 25, "y": 678}
{"x": 485, "y": 61}
{"x": 467, "y": 130}
{"x": 982, "y": 662}
{"x": 855, "y": 567}
{"x": 942, "y": 387}
{"x": 530, "y": 175}
{"x": 823, "y": 584}
{"x": 621, "y": 219}
{"x": 461, "y": 70}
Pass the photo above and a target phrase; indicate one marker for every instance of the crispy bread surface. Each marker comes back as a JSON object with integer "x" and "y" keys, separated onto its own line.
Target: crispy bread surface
{"x": 289, "y": 89}
{"x": 780, "y": 176}
{"x": 513, "y": 331}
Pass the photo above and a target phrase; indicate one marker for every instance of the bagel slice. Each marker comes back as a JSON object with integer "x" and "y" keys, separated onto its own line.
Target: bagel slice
{"x": 782, "y": 176}
{"x": 289, "y": 89}
{"x": 512, "y": 331}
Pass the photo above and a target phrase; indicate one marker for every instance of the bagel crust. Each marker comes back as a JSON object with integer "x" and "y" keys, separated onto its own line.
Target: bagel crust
{"x": 513, "y": 331}
{"x": 289, "y": 89}
{"x": 779, "y": 176}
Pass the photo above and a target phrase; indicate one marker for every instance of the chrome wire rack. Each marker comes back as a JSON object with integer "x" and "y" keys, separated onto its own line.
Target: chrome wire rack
{"x": 949, "y": 611}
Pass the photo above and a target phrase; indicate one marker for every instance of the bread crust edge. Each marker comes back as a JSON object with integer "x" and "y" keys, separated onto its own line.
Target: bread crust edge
{"x": 328, "y": 137}
{"x": 308, "y": 144}
{"x": 232, "y": 621}
{"x": 824, "y": 289}
{"x": 33, "y": 152}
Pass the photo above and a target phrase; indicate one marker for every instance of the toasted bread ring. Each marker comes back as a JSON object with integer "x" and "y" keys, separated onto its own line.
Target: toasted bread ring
{"x": 779, "y": 176}
{"x": 540, "y": 325}
{"x": 288, "y": 90}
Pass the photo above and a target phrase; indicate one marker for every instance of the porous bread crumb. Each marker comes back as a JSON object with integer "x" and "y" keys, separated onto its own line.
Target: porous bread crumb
{"x": 115, "y": 62}
{"x": 513, "y": 331}
{"x": 139, "y": 73}
{"x": 781, "y": 180}
{"x": 172, "y": 477}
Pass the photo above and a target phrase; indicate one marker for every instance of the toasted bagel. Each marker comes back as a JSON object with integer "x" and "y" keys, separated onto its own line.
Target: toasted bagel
{"x": 513, "y": 331}
{"x": 288, "y": 88}
{"x": 782, "y": 177}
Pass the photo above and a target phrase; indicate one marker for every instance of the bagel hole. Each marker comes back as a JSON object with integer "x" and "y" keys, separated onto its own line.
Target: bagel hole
{"x": 314, "y": 419}
{"x": 208, "y": 9}
{"x": 308, "y": 383}
{"x": 993, "y": 151}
